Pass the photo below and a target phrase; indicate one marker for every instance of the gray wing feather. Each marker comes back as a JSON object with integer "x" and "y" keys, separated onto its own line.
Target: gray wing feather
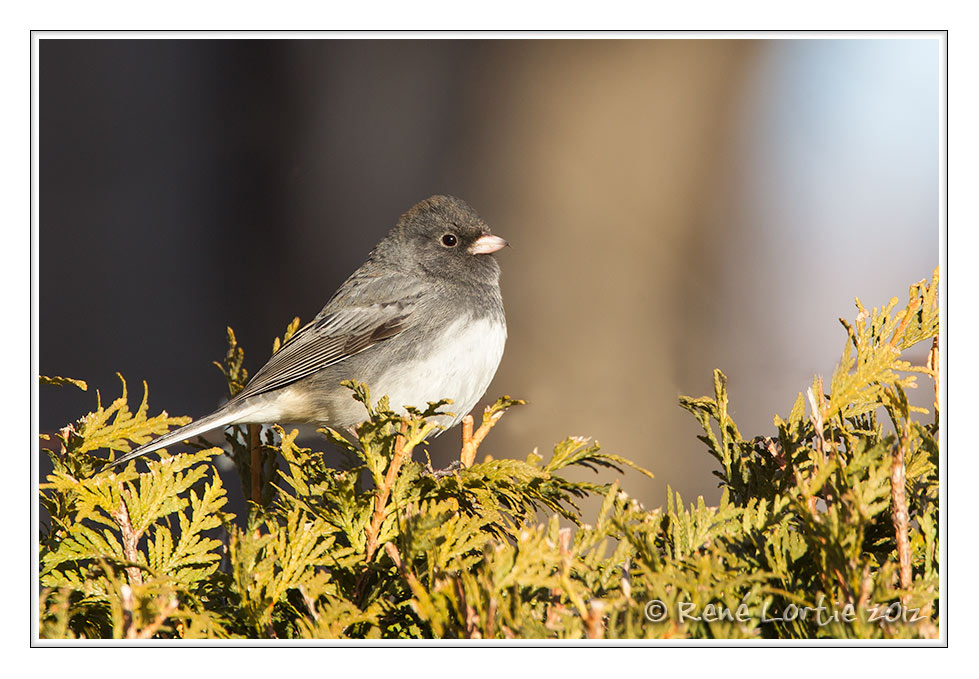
{"x": 328, "y": 339}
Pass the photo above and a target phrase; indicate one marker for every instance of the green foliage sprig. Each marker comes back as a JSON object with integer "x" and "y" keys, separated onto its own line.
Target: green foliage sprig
{"x": 834, "y": 513}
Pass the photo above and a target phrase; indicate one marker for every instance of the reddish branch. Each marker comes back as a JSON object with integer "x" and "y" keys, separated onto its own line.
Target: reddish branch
{"x": 471, "y": 441}
{"x": 381, "y": 499}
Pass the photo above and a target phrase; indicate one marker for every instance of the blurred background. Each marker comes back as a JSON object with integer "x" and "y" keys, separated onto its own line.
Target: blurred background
{"x": 673, "y": 205}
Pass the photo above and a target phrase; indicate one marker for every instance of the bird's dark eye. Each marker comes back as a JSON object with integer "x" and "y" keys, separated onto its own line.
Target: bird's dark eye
{"x": 449, "y": 240}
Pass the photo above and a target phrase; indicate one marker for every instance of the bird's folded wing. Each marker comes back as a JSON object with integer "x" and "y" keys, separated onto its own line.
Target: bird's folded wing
{"x": 328, "y": 339}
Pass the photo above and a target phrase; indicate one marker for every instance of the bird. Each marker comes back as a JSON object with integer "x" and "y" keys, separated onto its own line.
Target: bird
{"x": 421, "y": 320}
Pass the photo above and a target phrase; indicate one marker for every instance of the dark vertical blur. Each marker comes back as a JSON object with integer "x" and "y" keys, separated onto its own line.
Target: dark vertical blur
{"x": 673, "y": 205}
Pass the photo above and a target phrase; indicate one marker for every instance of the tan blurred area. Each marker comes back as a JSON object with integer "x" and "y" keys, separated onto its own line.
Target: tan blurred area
{"x": 673, "y": 205}
{"x": 601, "y": 152}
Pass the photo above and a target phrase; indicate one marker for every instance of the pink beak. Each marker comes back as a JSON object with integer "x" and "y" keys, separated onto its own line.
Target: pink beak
{"x": 488, "y": 244}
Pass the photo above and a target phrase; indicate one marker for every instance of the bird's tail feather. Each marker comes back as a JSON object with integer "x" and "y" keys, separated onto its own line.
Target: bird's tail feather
{"x": 205, "y": 424}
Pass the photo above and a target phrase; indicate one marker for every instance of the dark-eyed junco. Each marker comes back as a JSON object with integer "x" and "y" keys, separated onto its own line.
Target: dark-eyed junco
{"x": 421, "y": 320}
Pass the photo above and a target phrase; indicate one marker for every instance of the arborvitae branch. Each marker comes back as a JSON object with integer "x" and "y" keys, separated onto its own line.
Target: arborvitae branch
{"x": 829, "y": 513}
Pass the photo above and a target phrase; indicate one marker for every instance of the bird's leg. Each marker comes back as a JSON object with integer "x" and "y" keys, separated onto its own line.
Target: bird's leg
{"x": 453, "y": 467}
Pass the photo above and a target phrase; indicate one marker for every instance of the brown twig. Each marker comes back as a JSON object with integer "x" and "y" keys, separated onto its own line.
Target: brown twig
{"x": 772, "y": 447}
{"x": 903, "y": 326}
{"x": 843, "y": 586}
{"x": 491, "y": 618}
{"x": 566, "y": 583}
{"x": 595, "y": 629}
{"x": 256, "y": 464}
{"x": 899, "y": 514}
{"x": 866, "y": 587}
{"x": 394, "y": 555}
{"x": 816, "y": 417}
{"x": 151, "y": 629}
{"x": 310, "y": 604}
{"x": 130, "y": 540}
{"x": 467, "y": 437}
{"x": 932, "y": 365}
{"x": 810, "y": 499}
{"x": 381, "y": 499}
{"x": 471, "y": 440}
{"x": 126, "y": 601}
{"x": 410, "y": 578}
{"x": 472, "y": 618}
{"x": 554, "y": 612}
{"x": 128, "y": 620}
{"x": 402, "y": 451}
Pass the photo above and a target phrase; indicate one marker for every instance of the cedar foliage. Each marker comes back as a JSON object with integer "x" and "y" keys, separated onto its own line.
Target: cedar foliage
{"x": 827, "y": 528}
